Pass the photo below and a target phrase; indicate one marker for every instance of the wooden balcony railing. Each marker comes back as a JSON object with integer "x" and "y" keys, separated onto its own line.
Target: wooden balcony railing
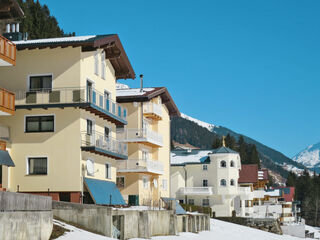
{"x": 7, "y": 51}
{"x": 7, "y": 100}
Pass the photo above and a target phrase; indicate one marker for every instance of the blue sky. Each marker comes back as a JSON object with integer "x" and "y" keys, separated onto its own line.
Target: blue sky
{"x": 252, "y": 66}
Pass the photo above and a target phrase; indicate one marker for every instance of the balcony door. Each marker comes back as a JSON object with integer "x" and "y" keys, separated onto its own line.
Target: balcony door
{"x": 89, "y": 91}
{"x": 107, "y": 97}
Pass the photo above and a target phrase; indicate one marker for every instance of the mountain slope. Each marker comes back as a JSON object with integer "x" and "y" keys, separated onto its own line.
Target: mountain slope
{"x": 310, "y": 157}
{"x": 187, "y": 130}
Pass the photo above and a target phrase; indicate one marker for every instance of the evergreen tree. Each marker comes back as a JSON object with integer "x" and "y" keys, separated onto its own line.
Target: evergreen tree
{"x": 230, "y": 142}
{"x": 217, "y": 142}
{"x": 242, "y": 149}
{"x": 38, "y": 22}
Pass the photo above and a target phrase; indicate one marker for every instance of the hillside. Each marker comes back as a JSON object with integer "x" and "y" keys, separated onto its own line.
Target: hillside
{"x": 187, "y": 130}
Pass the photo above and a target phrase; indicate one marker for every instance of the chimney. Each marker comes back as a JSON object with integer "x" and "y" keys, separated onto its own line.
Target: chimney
{"x": 141, "y": 82}
{"x": 13, "y": 32}
{"x": 8, "y": 28}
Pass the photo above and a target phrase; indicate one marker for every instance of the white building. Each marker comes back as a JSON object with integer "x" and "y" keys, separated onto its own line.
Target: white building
{"x": 210, "y": 178}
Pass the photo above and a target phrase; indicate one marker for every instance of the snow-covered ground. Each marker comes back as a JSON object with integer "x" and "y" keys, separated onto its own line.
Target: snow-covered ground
{"x": 219, "y": 230}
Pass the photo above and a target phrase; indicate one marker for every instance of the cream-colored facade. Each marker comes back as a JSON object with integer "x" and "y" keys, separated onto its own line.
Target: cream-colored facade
{"x": 145, "y": 177}
{"x": 81, "y": 101}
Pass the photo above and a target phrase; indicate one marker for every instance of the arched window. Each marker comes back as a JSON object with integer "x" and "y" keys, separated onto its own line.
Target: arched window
{"x": 232, "y": 164}
{"x": 223, "y": 164}
{"x": 223, "y": 182}
{"x": 231, "y": 182}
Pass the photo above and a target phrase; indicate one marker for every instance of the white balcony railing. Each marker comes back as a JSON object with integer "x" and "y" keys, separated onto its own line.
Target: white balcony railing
{"x": 140, "y": 165}
{"x": 70, "y": 96}
{"x": 196, "y": 191}
{"x": 245, "y": 193}
{"x": 140, "y": 135}
{"x": 152, "y": 108}
{"x": 99, "y": 141}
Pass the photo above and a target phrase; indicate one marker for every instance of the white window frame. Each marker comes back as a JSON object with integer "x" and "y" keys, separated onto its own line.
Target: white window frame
{"x": 205, "y": 199}
{"x": 192, "y": 200}
{"x": 103, "y": 65}
{"x": 93, "y": 125}
{"x": 203, "y": 181}
{"x": 92, "y": 160}
{"x": 225, "y": 182}
{"x": 204, "y": 167}
{"x": 146, "y": 185}
{"x": 27, "y": 165}
{"x": 96, "y": 63}
{"x": 40, "y": 115}
{"x": 165, "y": 184}
{"x": 109, "y": 168}
{"x": 225, "y": 162}
{"x": 37, "y": 75}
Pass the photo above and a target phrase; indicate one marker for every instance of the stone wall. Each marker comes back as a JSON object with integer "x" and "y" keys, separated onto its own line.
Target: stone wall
{"x": 24, "y": 216}
{"x": 131, "y": 223}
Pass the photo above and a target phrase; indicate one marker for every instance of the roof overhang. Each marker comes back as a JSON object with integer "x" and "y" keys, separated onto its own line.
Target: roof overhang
{"x": 111, "y": 44}
{"x": 10, "y": 9}
{"x": 158, "y": 91}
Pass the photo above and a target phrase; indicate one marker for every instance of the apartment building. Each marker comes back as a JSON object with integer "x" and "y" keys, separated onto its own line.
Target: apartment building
{"x": 9, "y": 11}
{"x": 63, "y": 135}
{"x": 145, "y": 177}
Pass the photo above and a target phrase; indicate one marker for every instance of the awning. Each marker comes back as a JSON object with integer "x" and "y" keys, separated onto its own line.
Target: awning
{"x": 5, "y": 159}
{"x": 104, "y": 192}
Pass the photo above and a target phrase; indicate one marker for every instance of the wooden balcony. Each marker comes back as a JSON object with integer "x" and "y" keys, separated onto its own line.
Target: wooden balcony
{"x": 7, "y": 52}
{"x": 7, "y": 99}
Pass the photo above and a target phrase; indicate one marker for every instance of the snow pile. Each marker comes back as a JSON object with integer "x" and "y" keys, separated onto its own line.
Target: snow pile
{"x": 208, "y": 126}
{"x": 122, "y": 86}
{"x": 310, "y": 157}
{"x": 219, "y": 230}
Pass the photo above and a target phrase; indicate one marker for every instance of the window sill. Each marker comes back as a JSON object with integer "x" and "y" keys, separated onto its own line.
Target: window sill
{"x": 36, "y": 175}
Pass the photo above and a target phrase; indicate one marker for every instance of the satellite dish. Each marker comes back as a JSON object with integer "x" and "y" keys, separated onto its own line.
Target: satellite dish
{"x": 90, "y": 167}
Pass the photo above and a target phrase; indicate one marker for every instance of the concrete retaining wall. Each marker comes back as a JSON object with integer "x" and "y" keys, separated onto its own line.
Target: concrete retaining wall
{"x": 25, "y": 216}
{"x": 131, "y": 223}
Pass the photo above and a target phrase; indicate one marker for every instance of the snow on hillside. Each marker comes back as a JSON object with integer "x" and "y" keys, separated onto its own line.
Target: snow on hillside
{"x": 310, "y": 157}
{"x": 219, "y": 230}
{"x": 209, "y": 126}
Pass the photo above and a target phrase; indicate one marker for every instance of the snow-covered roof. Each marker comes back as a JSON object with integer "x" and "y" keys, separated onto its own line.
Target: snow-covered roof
{"x": 128, "y": 92}
{"x": 56, "y": 40}
{"x": 189, "y": 156}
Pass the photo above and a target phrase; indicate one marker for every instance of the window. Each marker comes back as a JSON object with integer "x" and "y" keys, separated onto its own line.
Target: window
{"x": 204, "y": 167}
{"x": 96, "y": 63}
{"x": 223, "y": 164}
{"x": 232, "y": 164}
{"x": 108, "y": 170}
{"x": 205, "y": 183}
{"x": 39, "y": 124}
{"x": 205, "y": 202}
{"x": 40, "y": 83}
{"x": 145, "y": 155}
{"x": 107, "y": 132}
{"x": 231, "y": 182}
{"x": 223, "y": 182}
{"x": 164, "y": 184}
{"x": 38, "y": 166}
{"x": 191, "y": 201}
{"x": 89, "y": 127}
{"x": 103, "y": 65}
{"x": 145, "y": 182}
{"x": 120, "y": 182}
{"x": 90, "y": 167}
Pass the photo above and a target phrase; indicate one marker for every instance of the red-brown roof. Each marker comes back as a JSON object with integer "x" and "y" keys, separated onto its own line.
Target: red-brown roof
{"x": 248, "y": 173}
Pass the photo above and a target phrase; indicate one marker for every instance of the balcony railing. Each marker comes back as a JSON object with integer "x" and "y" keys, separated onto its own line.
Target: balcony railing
{"x": 71, "y": 96}
{"x": 152, "y": 110}
{"x": 7, "y": 100}
{"x": 98, "y": 142}
{"x": 7, "y": 52}
{"x": 196, "y": 191}
{"x": 140, "y": 135}
{"x": 140, "y": 165}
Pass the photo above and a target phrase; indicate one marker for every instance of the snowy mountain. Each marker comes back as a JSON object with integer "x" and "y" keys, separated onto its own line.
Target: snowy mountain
{"x": 310, "y": 157}
{"x": 208, "y": 126}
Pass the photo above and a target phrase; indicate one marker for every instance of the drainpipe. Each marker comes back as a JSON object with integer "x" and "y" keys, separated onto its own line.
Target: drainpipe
{"x": 141, "y": 104}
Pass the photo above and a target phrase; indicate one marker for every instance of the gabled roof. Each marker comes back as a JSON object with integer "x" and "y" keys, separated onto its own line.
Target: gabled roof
{"x": 10, "y": 9}
{"x": 109, "y": 42}
{"x": 248, "y": 173}
{"x": 223, "y": 150}
{"x": 135, "y": 95}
